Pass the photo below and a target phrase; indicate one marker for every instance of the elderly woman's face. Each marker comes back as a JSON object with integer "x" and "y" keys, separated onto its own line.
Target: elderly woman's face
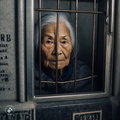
{"x": 52, "y": 58}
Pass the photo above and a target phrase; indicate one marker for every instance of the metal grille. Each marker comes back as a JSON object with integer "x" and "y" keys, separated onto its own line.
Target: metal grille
{"x": 96, "y": 14}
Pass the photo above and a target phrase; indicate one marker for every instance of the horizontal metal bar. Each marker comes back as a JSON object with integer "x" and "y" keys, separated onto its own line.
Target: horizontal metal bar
{"x": 75, "y": 11}
{"x": 71, "y": 80}
{"x": 77, "y": 96}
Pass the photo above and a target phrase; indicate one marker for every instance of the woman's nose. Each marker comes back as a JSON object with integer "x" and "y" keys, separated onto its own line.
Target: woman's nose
{"x": 57, "y": 50}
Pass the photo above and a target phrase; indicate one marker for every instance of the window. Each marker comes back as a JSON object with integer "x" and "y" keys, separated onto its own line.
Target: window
{"x": 72, "y": 55}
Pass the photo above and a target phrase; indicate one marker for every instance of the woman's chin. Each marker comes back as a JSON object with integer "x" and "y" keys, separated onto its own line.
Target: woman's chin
{"x": 59, "y": 67}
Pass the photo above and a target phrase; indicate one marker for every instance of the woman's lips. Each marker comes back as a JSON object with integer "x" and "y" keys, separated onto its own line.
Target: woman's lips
{"x": 54, "y": 62}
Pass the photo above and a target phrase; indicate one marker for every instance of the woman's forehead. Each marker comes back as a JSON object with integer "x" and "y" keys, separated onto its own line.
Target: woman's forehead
{"x": 54, "y": 28}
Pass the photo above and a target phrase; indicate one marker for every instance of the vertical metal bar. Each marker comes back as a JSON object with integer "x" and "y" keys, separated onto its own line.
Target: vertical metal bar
{"x": 30, "y": 47}
{"x": 56, "y": 51}
{"x": 112, "y": 15}
{"x": 93, "y": 43}
{"x": 56, "y": 46}
{"x": 58, "y": 4}
{"x": 109, "y": 45}
{"x": 76, "y": 33}
{"x": 21, "y": 50}
{"x": 39, "y": 43}
{"x": 117, "y": 50}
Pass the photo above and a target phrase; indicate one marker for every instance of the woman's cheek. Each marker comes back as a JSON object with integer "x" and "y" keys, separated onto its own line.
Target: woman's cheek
{"x": 67, "y": 53}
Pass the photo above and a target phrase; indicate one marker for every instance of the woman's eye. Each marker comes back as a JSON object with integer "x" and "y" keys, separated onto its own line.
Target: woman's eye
{"x": 48, "y": 41}
{"x": 64, "y": 42}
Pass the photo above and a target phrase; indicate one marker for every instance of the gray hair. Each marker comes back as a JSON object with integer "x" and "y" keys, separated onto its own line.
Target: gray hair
{"x": 51, "y": 17}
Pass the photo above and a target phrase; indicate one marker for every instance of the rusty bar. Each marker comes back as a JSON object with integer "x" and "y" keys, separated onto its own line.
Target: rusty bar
{"x": 56, "y": 46}
{"x": 76, "y": 32}
{"x": 39, "y": 43}
{"x": 81, "y": 79}
{"x": 73, "y": 11}
{"x": 56, "y": 51}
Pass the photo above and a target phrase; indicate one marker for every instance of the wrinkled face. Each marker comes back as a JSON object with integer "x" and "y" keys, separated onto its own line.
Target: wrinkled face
{"x": 56, "y": 51}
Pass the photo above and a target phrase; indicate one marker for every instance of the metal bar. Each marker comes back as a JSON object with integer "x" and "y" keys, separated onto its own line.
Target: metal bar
{"x": 76, "y": 32}
{"x": 56, "y": 46}
{"x": 73, "y": 11}
{"x": 71, "y": 97}
{"x": 39, "y": 43}
{"x": 112, "y": 16}
{"x": 56, "y": 51}
{"x": 108, "y": 16}
{"x": 30, "y": 48}
{"x": 108, "y": 47}
{"x": 111, "y": 31}
{"x": 58, "y": 4}
{"x": 116, "y": 89}
{"x": 21, "y": 50}
{"x": 93, "y": 43}
{"x": 71, "y": 80}
{"x": 108, "y": 62}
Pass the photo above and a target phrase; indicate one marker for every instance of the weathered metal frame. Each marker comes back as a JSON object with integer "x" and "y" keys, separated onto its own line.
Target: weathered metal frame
{"x": 29, "y": 49}
{"x": 30, "y": 57}
{"x": 21, "y": 49}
